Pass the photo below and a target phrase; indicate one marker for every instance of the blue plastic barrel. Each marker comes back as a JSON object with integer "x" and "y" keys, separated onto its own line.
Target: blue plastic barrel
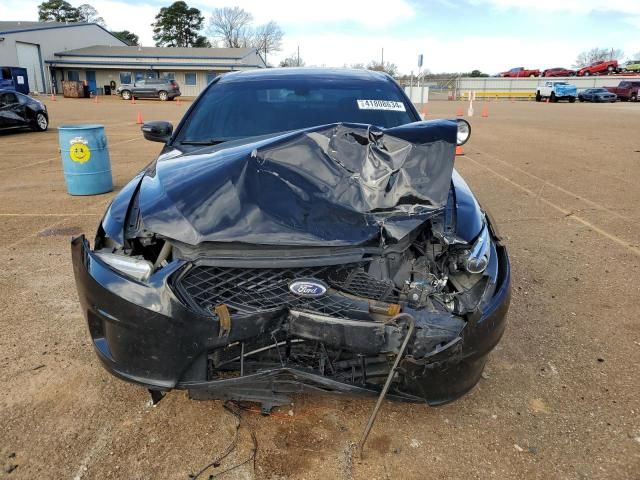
{"x": 85, "y": 159}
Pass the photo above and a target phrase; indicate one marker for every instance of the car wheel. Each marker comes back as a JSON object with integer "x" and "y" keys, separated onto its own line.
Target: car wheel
{"x": 610, "y": 69}
{"x": 572, "y": 99}
{"x": 580, "y": 99}
{"x": 164, "y": 96}
{"x": 553, "y": 98}
{"x": 633, "y": 97}
{"x": 586, "y": 74}
{"x": 126, "y": 95}
{"x": 538, "y": 97}
{"x": 531, "y": 76}
{"x": 41, "y": 123}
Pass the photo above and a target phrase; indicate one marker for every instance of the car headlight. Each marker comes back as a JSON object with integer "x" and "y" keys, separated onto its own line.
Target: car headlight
{"x": 478, "y": 257}
{"x": 464, "y": 132}
{"x": 133, "y": 267}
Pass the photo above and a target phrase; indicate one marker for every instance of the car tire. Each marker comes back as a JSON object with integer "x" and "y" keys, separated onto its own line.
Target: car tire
{"x": 538, "y": 97}
{"x": 580, "y": 99}
{"x": 610, "y": 69}
{"x": 586, "y": 74}
{"x": 40, "y": 122}
{"x": 633, "y": 97}
{"x": 126, "y": 95}
{"x": 163, "y": 96}
{"x": 531, "y": 76}
{"x": 553, "y": 98}
{"x": 572, "y": 99}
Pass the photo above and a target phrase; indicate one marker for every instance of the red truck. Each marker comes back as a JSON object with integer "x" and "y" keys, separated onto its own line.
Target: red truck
{"x": 598, "y": 68}
{"x": 520, "y": 72}
{"x": 627, "y": 90}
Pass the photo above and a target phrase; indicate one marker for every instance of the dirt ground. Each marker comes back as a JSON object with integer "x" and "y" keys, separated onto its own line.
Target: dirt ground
{"x": 560, "y": 396}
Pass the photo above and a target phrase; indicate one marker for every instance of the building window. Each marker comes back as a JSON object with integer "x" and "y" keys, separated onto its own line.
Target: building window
{"x": 211, "y": 76}
{"x": 190, "y": 79}
{"x": 125, "y": 77}
{"x": 170, "y": 75}
{"x": 73, "y": 75}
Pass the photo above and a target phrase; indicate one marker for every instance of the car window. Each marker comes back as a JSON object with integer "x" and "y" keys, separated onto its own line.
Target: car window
{"x": 140, "y": 83}
{"x": 8, "y": 98}
{"x": 229, "y": 110}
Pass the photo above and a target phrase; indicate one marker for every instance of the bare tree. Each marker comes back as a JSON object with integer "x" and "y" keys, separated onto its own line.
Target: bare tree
{"x": 358, "y": 66}
{"x": 232, "y": 25}
{"x": 267, "y": 38}
{"x": 89, "y": 14}
{"x": 597, "y": 55}
{"x": 293, "y": 60}
{"x": 387, "y": 67}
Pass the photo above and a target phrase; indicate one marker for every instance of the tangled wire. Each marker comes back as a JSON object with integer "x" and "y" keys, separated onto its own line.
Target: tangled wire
{"x": 235, "y": 409}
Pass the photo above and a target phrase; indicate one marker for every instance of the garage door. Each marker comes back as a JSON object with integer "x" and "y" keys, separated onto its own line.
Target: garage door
{"x": 29, "y": 58}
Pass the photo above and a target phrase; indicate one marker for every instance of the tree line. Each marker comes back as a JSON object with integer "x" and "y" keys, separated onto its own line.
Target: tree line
{"x": 179, "y": 25}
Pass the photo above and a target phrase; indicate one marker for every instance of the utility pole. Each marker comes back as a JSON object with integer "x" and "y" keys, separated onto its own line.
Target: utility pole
{"x": 298, "y": 64}
{"x": 382, "y": 58}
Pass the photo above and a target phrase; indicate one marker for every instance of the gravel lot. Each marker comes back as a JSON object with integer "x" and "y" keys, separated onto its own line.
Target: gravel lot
{"x": 559, "y": 399}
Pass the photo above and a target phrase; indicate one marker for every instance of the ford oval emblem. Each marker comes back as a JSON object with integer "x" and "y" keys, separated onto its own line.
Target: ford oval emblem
{"x": 308, "y": 287}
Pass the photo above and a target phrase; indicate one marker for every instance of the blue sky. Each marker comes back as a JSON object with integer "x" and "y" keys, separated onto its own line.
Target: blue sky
{"x": 453, "y": 35}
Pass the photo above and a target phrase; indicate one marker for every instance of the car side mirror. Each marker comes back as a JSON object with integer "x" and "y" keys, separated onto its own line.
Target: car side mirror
{"x": 157, "y": 131}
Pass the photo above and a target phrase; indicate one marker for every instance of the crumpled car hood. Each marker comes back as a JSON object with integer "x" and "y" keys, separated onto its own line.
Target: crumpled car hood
{"x": 332, "y": 185}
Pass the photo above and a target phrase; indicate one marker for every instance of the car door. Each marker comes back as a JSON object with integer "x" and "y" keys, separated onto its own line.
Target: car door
{"x": 12, "y": 112}
{"x": 141, "y": 89}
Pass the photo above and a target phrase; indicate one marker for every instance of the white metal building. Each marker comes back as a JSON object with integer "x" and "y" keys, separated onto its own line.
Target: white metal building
{"x": 31, "y": 44}
{"x": 193, "y": 68}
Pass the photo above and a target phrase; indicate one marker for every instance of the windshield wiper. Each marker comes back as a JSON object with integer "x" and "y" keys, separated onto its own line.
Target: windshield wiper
{"x": 211, "y": 141}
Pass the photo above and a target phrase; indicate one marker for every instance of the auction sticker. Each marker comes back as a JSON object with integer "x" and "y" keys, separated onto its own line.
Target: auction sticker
{"x": 381, "y": 105}
{"x": 79, "y": 150}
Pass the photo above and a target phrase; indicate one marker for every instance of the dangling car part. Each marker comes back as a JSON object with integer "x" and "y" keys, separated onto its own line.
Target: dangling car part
{"x": 292, "y": 215}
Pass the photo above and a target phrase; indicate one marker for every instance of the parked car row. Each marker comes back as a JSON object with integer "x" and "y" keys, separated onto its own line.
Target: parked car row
{"x": 627, "y": 90}
{"x": 604, "y": 67}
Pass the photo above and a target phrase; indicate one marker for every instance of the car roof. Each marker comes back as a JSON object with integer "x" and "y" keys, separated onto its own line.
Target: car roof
{"x": 305, "y": 73}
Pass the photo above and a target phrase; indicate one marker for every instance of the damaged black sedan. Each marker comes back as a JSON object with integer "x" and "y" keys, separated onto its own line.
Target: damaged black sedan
{"x": 302, "y": 229}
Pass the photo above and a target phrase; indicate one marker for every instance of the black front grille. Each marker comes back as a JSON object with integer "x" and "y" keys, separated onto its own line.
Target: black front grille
{"x": 248, "y": 290}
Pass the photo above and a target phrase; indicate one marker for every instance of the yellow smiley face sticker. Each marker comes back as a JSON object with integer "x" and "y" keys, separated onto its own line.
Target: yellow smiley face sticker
{"x": 79, "y": 152}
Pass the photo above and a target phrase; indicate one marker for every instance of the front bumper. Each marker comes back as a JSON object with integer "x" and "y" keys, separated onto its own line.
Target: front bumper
{"x": 144, "y": 334}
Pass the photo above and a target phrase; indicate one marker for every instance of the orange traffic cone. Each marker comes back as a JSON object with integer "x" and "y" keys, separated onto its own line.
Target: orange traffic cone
{"x": 95, "y": 99}
{"x": 485, "y": 112}
{"x": 139, "y": 119}
{"x": 53, "y": 97}
{"x": 133, "y": 100}
{"x": 459, "y": 150}
{"x": 460, "y": 112}
{"x": 547, "y": 100}
{"x": 177, "y": 100}
{"x": 425, "y": 111}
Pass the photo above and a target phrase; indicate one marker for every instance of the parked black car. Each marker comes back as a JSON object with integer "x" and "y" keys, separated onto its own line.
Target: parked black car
{"x": 597, "y": 95}
{"x": 301, "y": 229}
{"x": 162, "y": 88}
{"x": 19, "y": 111}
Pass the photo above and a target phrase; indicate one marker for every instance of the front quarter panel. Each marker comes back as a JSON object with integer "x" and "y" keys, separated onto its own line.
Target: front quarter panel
{"x": 468, "y": 212}
{"x": 116, "y": 214}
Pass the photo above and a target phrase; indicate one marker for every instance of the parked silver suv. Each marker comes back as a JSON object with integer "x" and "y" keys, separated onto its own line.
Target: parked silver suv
{"x": 162, "y": 88}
